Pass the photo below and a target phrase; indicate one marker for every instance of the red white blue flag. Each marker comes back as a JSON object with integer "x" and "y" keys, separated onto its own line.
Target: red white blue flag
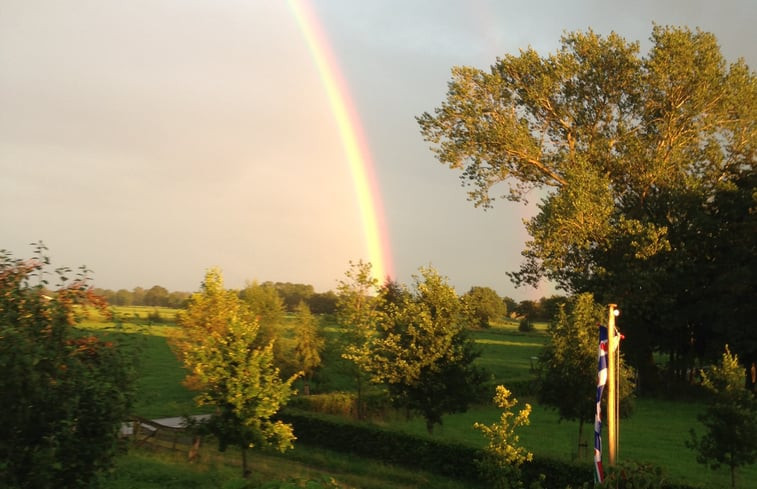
{"x": 601, "y": 381}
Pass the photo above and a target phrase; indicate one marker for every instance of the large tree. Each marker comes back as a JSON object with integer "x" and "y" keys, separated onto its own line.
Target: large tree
{"x": 625, "y": 151}
{"x": 217, "y": 344}
{"x": 421, "y": 352}
{"x": 65, "y": 393}
{"x": 481, "y": 305}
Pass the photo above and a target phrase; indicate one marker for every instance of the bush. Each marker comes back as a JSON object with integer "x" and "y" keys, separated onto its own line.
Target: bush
{"x": 65, "y": 394}
{"x": 525, "y": 325}
{"x": 338, "y": 403}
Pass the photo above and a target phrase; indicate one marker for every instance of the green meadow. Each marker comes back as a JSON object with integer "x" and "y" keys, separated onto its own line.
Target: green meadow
{"x": 656, "y": 433}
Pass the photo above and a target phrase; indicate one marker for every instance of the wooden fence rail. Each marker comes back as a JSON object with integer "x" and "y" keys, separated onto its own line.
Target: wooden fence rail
{"x": 151, "y": 434}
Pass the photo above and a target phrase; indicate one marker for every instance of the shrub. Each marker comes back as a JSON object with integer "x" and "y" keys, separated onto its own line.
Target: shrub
{"x": 338, "y": 403}
{"x": 65, "y": 395}
{"x": 525, "y": 325}
{"x": 444, "y": 458}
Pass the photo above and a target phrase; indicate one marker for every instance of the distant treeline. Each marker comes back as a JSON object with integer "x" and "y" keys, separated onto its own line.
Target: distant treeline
{"x": 158, "y": 296}
{"x": 292, "y": 294}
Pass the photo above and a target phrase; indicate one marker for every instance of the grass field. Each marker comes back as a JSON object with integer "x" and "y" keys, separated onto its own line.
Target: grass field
{"x": 655, "y": 433}
{"x": 144, "y": 469}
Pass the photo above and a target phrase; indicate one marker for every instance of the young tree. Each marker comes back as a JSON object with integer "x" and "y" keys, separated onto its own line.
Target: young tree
{"x": 421, "y": 352}
{"x": 65, "y": 394}
{"x": 217, "y": 345}
{"x": 357, "y": 313}
{"x": 503, "y": 454}
{"x": 568, "y": 364}
{"x": 481, "y": 305}
{"x": 627, "y": 151}
{"x": 730, "y": 419}
{"x": 308, "y": 343}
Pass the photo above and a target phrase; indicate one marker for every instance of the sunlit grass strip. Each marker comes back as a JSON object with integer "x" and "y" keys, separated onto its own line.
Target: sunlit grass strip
{"x": 508, "y": 343}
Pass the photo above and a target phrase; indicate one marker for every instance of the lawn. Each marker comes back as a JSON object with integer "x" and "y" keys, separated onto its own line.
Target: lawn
{"x": 656, "y": 433}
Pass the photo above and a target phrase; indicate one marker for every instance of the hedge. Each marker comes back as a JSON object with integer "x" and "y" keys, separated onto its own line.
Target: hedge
{"x": 444, "y": 458}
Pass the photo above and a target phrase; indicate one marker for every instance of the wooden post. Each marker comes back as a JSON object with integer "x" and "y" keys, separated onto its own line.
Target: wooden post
{"x": 612, "y": 386}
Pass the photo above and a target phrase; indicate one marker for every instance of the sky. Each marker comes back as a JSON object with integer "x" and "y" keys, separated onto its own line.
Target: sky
{"x": 153, "y": 139}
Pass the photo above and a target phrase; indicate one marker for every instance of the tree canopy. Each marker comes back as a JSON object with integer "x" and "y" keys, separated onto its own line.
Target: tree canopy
{"x": 632, "y": 157}
{"x": 482, "y": 305}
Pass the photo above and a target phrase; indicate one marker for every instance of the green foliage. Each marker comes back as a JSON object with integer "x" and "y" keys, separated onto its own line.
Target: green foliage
{"x": 308, "y": 341}
{"x": 568, "y": 363}
{"x": 448, "y": 459}
{"x": 267, "y": 307}
{"x": 291, "y": 294}
{"x": 646, "y": 165}
{"x": 65, "y": 394}
{"x": 730, "y": 419}
{"x": 503, "y": 454}
{"x": 421, "y": 352}
{"x": 217, "y": 346}
{"x": 320, "y": 483}
{"x": 633, "y": 475}
{"x": 357, "y": 313}
{"x": 156, "y": 296}
{"x": 323, "y": 303}
{"x": 337, "y": 403}
{"x": 525, "y": 325}
{"x": 481, "y": 305}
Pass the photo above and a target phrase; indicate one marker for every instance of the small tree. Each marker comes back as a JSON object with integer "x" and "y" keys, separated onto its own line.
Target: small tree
{"x": 308, "y": 343}
{"x": 421, "y": 353}
{"x": 730, "y": 419}
{"x": 503, "y": 455}
{"x": 357, "y": 313}
{"x": 65, "y": 394}
{"x": 216, "y": 345}
{"x": 568, "y": 377}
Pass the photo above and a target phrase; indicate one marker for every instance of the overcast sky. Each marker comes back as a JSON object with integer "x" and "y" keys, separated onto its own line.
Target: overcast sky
{"x": 151, "y": 140}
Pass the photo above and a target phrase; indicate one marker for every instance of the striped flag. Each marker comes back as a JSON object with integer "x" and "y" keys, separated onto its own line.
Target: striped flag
{"x": 601, "y": 381}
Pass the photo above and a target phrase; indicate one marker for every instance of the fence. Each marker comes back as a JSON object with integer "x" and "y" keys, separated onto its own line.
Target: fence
{"x": 154, "y": 435}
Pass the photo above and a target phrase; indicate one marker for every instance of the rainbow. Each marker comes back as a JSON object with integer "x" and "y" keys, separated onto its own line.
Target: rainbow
{"x": 353, "y": 140}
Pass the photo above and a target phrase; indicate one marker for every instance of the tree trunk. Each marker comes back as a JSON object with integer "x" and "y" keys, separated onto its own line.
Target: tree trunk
{"x": 245, "y": 472}
{"x": 733, "y": 475}
{"x": 580, "y": 436}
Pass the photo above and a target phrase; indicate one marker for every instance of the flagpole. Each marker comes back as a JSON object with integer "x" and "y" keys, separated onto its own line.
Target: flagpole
{"x": 612, "y": 385}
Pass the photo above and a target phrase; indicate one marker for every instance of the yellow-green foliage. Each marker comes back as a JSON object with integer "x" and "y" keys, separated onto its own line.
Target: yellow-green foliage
{"x": 504, "y": 455}
{"x": 218, "y": 344}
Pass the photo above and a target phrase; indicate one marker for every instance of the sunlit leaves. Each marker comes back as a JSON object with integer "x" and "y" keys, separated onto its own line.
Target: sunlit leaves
{"x": 218, "y": 344}
{"x": 503, "y": 453}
